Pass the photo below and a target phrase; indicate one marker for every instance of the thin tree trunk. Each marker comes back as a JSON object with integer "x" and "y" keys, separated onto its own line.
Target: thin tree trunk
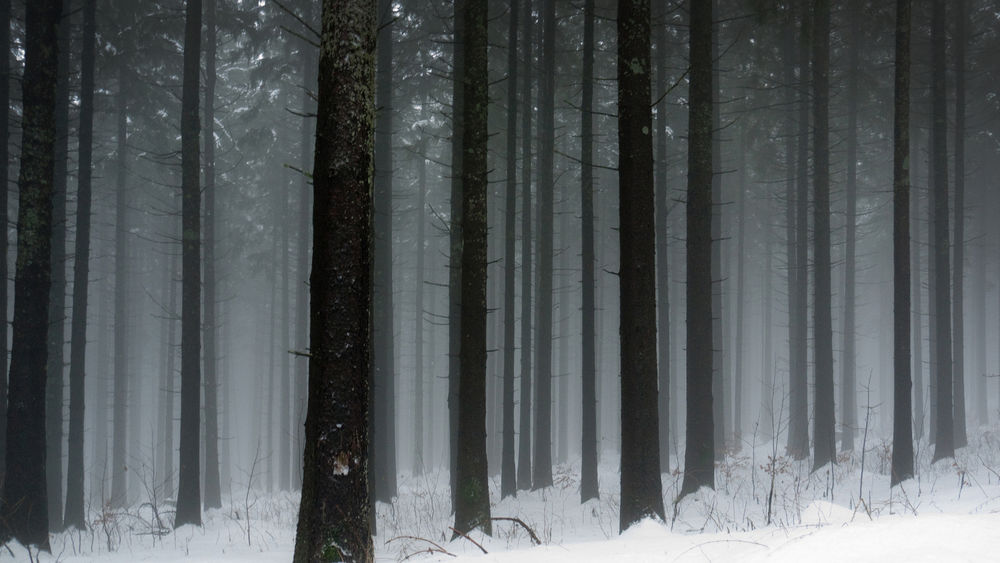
{"x": 119, "y": 476}
{"x": 75, "y": 515}
{"x": 524, "y": 404}
{"x": 848, "y": 406}
{"x": 699, "y": 452}
{"x": 916, "y": 323}
{"x": 958, "y": 267}
{"x": 23, "y": 512}
{"x": 737, "y": 353}
{"x": 419, "y": 452}
{"x": 662, "y": 248}
{"x": 718, "y": 336}
{"x": 902, "y": 434}
{"x": 188, "y": 485}
{"x": 455, "y": 239}
{"x": 334, "y": 513}
{"x": 5, "y": 177}
{"x": 792, "y": 270}
{"x": 945, "y": 444}
{"x": 588, "y": 447}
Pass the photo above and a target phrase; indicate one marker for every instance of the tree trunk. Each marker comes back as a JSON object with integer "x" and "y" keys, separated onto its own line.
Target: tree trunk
{"x": 5, "y": 176}
{"x": 383, "y": 433}
{"x": 641, "y": 490}
{"x": 792, "y": 271}
{"x": 958, "y": 267}
{"x": 455, "y": 240}
{"x": 848, "y": 394}
{"x": 945, "y": 443}
{"x": 718, "y": 336}
{"x": 213, "y": 492}
{"x": 188, "y": 484}
{"x": 119, "y": 475}
{"x": 524, "y": 406}
{"x": 23, "y": 512}
{"x": 902, "y": 433}
{"x": 472, "y": 499}
{"x": 55, "y": 365}
{"x": 699, "y": 452}
{"x": 508, "y": 485}
{"x": 334, "y": 513}
{"x": 917, "y": 318}
{"x": 662, "y": 247}
{"x": 588, "y": 447}
{"x": 75, "y": 515}
{"x": 542, "y": 469}
{"x": 419, "y": 452}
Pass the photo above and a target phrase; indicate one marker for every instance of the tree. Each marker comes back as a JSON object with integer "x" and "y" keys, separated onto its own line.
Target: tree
{"x": 472, "y": 499}
{"x": 213, "y": 490}
{"x": 588, "y": 464}
{"x": 75, "y": 515}
{"x": 188, "y": 483}
{"x": 824, "y": 445}
{"x": 848, "y": 407}
{"x": 455, "y": 244}
{"x": 958, "y": 267}
{"x": 699, "y": 453}
{"x": 334, "y": 513}
{"x": 524, "y": 406}
{"x": 508, "y": 485}
{"x": 542, "y": 470}
{"x": 945, "y": 444}
{"x": 4, "y": 176}
{"x": 902, "y": 433}
{"x": 23, "y": 511}
{"x": 641, "y": 490}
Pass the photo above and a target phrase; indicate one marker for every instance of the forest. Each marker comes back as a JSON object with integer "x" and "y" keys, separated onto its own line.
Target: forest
{"x": 516, "y": 280}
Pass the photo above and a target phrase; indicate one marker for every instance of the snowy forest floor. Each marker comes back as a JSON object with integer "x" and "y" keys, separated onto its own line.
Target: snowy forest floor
{"x": 949, "y": 512}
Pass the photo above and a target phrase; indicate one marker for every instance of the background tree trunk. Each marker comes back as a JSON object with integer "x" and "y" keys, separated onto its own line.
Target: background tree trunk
{"x": 588, "y": 447}
{"x": 524, "y": 404}
{"x": 508, "y": 485}
{"x": 958, "y": 267}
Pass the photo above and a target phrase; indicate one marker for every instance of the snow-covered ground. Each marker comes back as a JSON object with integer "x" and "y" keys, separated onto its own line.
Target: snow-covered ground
{"x": 950, "y": 512}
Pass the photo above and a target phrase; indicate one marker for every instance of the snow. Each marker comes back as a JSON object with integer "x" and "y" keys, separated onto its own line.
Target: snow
{"x": 949, "y": 512}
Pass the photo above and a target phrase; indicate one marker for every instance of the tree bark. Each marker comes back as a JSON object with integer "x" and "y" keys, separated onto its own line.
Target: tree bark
{"x": 588, "y": 449}
{"x": 958, "y": 267}
{"x": 662, "y": 246}
{"x": 4, "y": 176}
{"x": 902, "y": 433}
{"x": 75, "y": 515}
{"x": 23, "y": 512}
{"x": 848, "y": 391}
{"x": 455, "y": 240}
{"x": 188, "y": 483}
{"x": 119, "y": 476}
{"x": 334, "y": 512}
{"x": 508, "y": 484}
{"x": 524, "y": 404}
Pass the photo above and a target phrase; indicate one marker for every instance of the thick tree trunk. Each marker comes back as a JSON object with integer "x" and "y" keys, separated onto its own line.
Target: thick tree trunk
{"x": 699, "y": 452}
{"x": 75, "y": 515}
{"x": 508, "y": 484}
{"x": 719, "y": 393}
{"x": 213, "y": 491}
{"x": 188, "y": 483}
{"x": 524, "y": 403}
{"x": 641, "y": 490}
{"x": 23, "y": 512}
{"x": 662, "y": 247}
{"x": 334, "y": 513}
{"x": 902, "y": 434}
{"x": 958, "y": 267}
{"x": 455, "y": 240}
{"x": 472, "y": 500}
{"x": 945, "y": 443}
{"x": 542, "y": 470}
{"x": 55, "y": 365}
{"x": 588, "y": 447}
{"x": 383, "y": 433}
{"x": 4, "y": 176}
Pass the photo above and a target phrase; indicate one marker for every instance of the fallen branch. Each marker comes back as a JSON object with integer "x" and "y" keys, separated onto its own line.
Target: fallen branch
{"x": 436, "y": 549}
{"x": 474, "y": 542}
{"x": 531, "y": 533}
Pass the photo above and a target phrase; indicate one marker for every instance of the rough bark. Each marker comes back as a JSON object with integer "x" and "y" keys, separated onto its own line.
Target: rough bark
{"x": 75, "y": 515}
{"x": 188, "y": 483}
{"x": 334, "y": 513}
{"x": 902, "y": 433}
{"x": 699, "y": 468}
{"x": 23, "y": 511}
{"x": 455, "y": 240}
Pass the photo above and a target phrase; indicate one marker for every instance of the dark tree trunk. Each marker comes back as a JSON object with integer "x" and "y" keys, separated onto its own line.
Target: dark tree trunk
{"x": 958, "y": 267}
{"x": 472, "y": 500}
{"x": 932, "y": 308}
{"x": 792, "y": 271}
{"x": 798, "y": 415}
{"x": 588, "y": 448}
{"x": 455, "y": 246}
{"x": 419, "y": 452}
{"x": 917, "y": 317}
{"x": 699, "y": 452}
{"x": 23, "y": 512}
{"x": 508, "y": 484}
{"x": 188, "y": 483}
{"x": 119, "y": 475}
{"x": 524, "y": 406}
{"x": 213, "y": 490}
{"x": 848, "y": 392}
{"x": 945, "y": 444}
{"x": 902, "y": 433}
{"x": 55, "y": 364}
{"x": 4, "y": 176}
{"x": 641, "y": 490}
{"x": 383, "y": 433}
{"x": 662, "y": 248}
{"x": 334, "y": 514}
{"x": 542, "y": 470}
{"x": 718, "y": 336}
{"x": 825, "y": 443}
{"x": 75, "y": 515}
